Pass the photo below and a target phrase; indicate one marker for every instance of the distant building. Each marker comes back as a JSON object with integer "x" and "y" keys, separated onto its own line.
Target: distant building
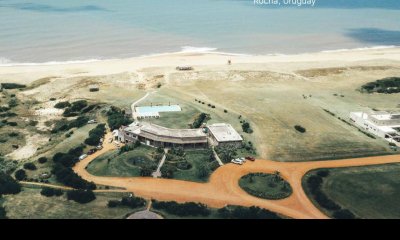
{"x": 382, "y": 124}
{"x": 222, "y": 134}
{"x": 158, "y": 136}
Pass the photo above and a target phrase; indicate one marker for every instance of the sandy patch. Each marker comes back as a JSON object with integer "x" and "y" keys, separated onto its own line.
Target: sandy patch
{"x": 33, "y": 142}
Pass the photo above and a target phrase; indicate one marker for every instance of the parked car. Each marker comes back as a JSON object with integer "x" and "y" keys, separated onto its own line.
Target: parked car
{"x": 91, "y": 151}
{"x": 83, "y": 156}
{"x": 242, "y": 159}
{"x": 250, "y": 158}
{"x": 99, "y": 147}
{"x": 110, "y": 140}
{"x": 236, "y": 161}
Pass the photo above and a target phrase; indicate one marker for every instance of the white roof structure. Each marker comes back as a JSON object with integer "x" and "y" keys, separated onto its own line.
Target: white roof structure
{"x": 224, "y": 132}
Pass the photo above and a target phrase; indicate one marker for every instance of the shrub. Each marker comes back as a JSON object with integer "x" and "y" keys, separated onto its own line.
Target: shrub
{"x": 146, "y": 171}
{"x": 200, "y": 119}
{"x": 62, "y": 105}
{"x": 246, "y": 127}
{"x": 8, "y": 185}
{"x": 184, "y": 209}
{"x": 239, "y": 212}
{"x": 3, "y": 213}
{"x": 20, "y": 175}
{"x": 323, "y": 173}
{"x": 225, "y": 111}
{"x": 343, "y": 214}
{"x": 12, "y": 86}
{"x": 167, "y": 171}
{"x": 113, "y": 203}
{"x": 300, "y": 129}
{"x": 13, "y": 134}
{"x": 133, "y": 202}
{"x": 30, "y": 166}
{"x": 202, "y": 171}
{"x": 50, "y": 192}
{"x": 81, "y": 196}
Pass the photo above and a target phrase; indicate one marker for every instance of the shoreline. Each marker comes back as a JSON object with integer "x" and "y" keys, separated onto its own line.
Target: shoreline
{"x": 202, "y": 61}
{"x": 190, "y": 50}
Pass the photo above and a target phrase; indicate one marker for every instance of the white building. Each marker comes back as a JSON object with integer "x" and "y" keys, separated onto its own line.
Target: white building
{"x": 382, "y": 124}
{"x": 224, "y": 134}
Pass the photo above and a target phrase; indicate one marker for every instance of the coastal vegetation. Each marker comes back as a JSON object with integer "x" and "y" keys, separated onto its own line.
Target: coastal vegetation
{"x": 375, "y": 189}
{"x": 8, "y": 185}
{"x": 50, "y": 192}
{"x": 314, "y": 184}
{"x": 81, "y": 196}
{"x": 130, "y": 201}
{"x": 240, "y": 212}
{"x": 95, "y": 135}
{"x": 267, "y": 186}
{"x": 116, "y": 118}
{"x": 387, "y": 85}
{"x": 182, "y": 209}
{"x": 12, "y": 86}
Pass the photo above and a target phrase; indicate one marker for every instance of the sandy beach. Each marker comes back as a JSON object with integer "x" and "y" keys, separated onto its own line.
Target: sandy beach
{"x": 30, "y": 72}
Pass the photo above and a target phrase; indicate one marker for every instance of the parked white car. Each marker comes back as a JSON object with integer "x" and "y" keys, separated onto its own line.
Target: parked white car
{"x": 110, "y": 140}
{"x": 236, "y": 161}
{"x": 83, "y": 156}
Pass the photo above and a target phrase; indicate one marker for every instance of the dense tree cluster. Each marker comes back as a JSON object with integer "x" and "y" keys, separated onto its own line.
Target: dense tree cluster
{"x": 42, "y": 160}
{"x": 246, "y": 127}
{"x": 30, "y": 166}
{"x": 386, "y": 85}
{"x": 239, "y": 212}
{"x": 131, "y": 202}
{"x": 95, "y": 135}
{"x": 67, "y": 125}
{"x": 81, "y": 196}
{"x": 62, "y": 105}
{"x": 202, "y": 117}
{"x": 8, "y": 185}
{"x": 75, "y": 108}
{"x": 12, "y": 86}
{"x": 50, "y": 192}
{"x": 183, "y": 209}
{"x": 117, "y": 118}
{"x": 226, "y": 153}
{"x": 314, "y": 184}
{"x": 63, "y": 172}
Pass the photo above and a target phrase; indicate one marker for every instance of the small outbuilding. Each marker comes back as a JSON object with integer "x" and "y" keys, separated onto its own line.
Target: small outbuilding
{"x": 222, "y": 134}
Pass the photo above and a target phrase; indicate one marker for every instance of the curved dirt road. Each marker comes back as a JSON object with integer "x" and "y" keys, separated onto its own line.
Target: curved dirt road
{"x": 223, "y": 186}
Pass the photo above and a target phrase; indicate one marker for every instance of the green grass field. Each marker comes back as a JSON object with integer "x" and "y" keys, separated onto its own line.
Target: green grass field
{"x": 112, "y": 164}
{"x": 30, "y": 204}
{"x": 368, "y": 192}
{"x": 266, "y": 186}
{"x": 195, "y": 158}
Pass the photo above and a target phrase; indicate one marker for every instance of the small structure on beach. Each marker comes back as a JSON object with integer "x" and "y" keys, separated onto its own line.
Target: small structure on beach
{"x": 94, "y": 88}
{"x": 184, "y": 68}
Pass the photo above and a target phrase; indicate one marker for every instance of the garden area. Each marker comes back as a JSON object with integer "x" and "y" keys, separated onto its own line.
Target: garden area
{"x": 125, "y": 164}
{"x": 267, "y": 186}
{"x": 189, "y": 165}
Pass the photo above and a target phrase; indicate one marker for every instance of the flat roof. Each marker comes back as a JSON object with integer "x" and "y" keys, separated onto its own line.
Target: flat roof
{"x": 160, "y": 133}
{"x": 224, "y": 132}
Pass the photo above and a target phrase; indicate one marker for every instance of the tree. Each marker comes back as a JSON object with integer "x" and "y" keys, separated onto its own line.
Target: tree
{"x": 3, "y": 213}
{"x": 8, "y": 185}
{"x": 20, "y": 175}
{"x": 227, "y": 153}
{"x": 81, "y": 196}
{"x": 42, "y": 160}
{"x": 202, "y": 171}
{"x": 113, "y": 203}
{"x": 343, "y": 214}
{"x": 167, "y": 171}
{"x": 300, "y": 129}
{"x": 146, "y": 171}
{"x": 30, "y": 166}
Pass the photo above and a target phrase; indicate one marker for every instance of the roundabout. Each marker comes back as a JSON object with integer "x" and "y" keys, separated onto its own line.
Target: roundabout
{"x": 223, "y": 187}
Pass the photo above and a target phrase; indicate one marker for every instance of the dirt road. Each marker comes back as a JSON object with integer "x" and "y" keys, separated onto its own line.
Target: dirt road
{"x": 223, "y": 186}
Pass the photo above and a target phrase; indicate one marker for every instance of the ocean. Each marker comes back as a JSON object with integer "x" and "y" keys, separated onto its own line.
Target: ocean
{"x": 39, "y": 31}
